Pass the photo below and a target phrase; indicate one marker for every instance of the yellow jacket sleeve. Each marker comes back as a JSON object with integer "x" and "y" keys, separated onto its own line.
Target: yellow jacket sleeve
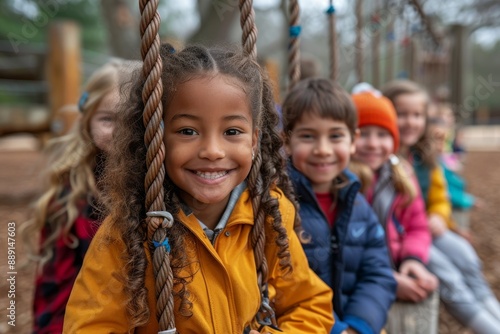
{"x": 302, "y": 301}
{"x": 438, "y": 201}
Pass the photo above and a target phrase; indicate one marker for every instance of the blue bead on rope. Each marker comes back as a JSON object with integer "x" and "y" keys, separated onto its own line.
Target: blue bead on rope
{"x": 164, "y": 243}
{"x": 330, "y": 10}
{"x": 295, "y": 31}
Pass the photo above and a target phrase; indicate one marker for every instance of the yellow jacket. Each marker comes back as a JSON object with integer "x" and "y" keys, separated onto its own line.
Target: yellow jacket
{"x": 224, "y": 288}
{"x": 438, "y": 201}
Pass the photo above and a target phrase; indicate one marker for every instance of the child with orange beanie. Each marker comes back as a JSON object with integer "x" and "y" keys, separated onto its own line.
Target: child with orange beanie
{"x": 391, "y": 188}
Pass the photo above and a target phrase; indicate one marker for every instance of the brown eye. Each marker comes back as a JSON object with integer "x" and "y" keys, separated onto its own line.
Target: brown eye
{"x": 232, "y": 132}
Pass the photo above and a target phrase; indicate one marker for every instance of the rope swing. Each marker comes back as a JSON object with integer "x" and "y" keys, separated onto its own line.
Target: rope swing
{"x": 334, "y": 62}
{"x": 359, "y": 40}
{"x": 158, "y": 220}
{"x": 247, "y": 22}
{"x": 293, "y": 46}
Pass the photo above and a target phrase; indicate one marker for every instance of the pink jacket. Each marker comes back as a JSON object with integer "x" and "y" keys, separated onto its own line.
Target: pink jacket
{"x": 407, "y": 230}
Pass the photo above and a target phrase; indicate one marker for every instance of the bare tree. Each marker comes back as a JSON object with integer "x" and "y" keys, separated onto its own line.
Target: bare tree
{"x": 123, "y": 27}
{"x": 217, "y": 20}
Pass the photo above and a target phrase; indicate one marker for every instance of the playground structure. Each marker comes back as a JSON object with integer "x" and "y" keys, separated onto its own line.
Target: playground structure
{"x": 48, "y": 77}
{"x": 52, "y": 77}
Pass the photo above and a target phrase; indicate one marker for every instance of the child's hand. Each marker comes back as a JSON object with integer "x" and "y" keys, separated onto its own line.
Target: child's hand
{"x": 253, "y": 332}
{"x": 408, "y": 289}
{"x": 417, "y": 271}
{"x": 437, "y": 225}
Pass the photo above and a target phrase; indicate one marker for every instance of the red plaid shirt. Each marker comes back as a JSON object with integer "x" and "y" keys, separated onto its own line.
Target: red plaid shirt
{"x": 54, "y": 283}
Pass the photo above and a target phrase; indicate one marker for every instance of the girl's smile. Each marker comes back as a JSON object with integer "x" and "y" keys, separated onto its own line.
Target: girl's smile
{"x": 209, "y": 139}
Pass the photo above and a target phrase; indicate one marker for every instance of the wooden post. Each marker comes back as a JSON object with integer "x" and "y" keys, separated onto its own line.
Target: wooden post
{"x": 63, "y": 71}
{"x": 274, "y": 74}
{"x": 458, "y": 52}
{"x": 411, "y": 59}
{"x": 414, "y": 318}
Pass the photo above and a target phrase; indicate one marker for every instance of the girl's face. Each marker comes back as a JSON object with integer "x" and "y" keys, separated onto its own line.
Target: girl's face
{"x": 102, "y": 122}
{"x": 320, "y": 149}
{"x": 438, "y": 135}
{"x": 411, "y": 117}
{"x": 209, "y": 139}
{"x": 374, "y": 146}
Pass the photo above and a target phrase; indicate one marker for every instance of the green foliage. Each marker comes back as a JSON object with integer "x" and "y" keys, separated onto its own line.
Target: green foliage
{"x": 27, "y": 21}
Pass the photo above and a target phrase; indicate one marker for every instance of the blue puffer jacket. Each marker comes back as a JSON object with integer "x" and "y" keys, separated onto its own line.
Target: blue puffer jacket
{"x": 352, "y": 258}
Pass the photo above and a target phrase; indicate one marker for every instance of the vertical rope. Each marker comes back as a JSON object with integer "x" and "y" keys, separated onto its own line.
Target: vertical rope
{"x": 389, "y": 63}
{"x": 265, "y": 316}
{"x": 247, "y": 22}
{"x": 153, "y": 138}
{"x": 359, "y": 40}
{"x": 377, "y": 30}
{"x": 293, "y": 46}
{"x": 334, "y": 65}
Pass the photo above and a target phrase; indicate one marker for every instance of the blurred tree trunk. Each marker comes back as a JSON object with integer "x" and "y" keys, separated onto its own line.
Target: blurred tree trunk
{"x": 123, "y": 27}
{"x": 216, "y": 21}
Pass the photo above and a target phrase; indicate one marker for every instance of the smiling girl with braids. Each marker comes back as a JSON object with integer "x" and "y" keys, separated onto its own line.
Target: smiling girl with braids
{"x": 232, "y": 242}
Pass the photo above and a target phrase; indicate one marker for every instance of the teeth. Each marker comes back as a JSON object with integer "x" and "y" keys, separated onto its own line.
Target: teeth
{"x": 211, "y": 176}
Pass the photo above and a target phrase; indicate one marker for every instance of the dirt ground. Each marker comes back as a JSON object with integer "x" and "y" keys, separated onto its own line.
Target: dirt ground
{"x": 20, "y": 184}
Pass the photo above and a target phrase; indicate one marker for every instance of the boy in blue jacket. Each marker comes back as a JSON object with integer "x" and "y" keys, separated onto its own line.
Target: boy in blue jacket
{"x": 343, "y": 240}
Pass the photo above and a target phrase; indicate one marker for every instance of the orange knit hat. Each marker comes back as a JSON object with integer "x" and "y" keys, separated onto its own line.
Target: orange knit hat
{"x": 375, "y": 109}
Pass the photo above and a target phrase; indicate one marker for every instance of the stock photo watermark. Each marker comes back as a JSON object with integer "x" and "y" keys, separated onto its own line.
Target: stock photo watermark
{"x": 47, "y": 10}
{"x": 11, "y": 273}
{"x": 484, "y": 88}
{"x": 223, "y": 6}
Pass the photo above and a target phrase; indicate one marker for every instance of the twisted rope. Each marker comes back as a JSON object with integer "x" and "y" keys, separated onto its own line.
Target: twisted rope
{"x": 389, "y": 70}
{"x": 247, "y": 22}
{"x": 359, "y": 40}
{"x": 153, "y": 139}
{"x": 376, "y": 31}
{"x": 293, "y": 46}
{"x": 334, "y": 62}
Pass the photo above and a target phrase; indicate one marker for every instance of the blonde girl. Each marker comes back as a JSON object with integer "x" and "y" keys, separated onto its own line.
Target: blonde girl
{"x": 66, "y": 215}
{"x": 463, "y": 288}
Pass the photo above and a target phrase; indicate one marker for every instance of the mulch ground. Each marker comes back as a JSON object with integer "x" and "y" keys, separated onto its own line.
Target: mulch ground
{"x": 20, "y": 184}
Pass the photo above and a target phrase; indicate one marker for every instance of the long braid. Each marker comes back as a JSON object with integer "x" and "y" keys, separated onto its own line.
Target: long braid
{"x": 262, "y": 177}
{"x": 258, "y": 236}
{"x": 153, "y": 139}
{"x": 255, "y": 183}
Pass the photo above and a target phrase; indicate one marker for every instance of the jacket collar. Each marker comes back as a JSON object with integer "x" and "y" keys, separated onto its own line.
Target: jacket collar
{"x": 305, "y": 192}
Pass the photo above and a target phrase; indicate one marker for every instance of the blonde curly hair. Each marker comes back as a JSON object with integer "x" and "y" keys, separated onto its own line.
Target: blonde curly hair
{"x": 72, "y": 167}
